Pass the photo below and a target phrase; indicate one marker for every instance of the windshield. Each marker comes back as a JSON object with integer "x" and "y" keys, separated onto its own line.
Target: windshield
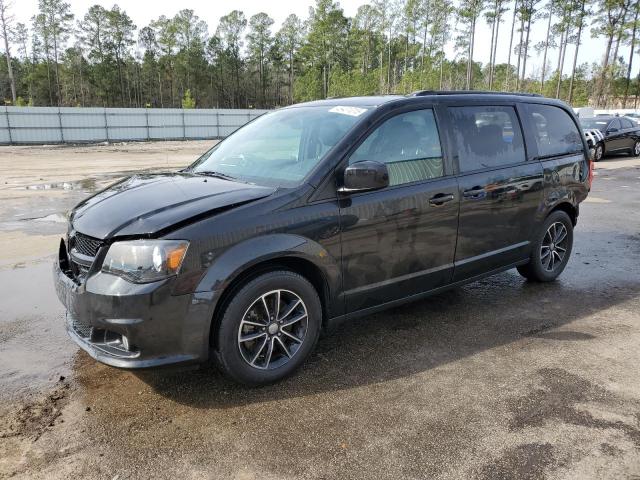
{"x": 598, "y": 123}
{"x": 279, "y": 148}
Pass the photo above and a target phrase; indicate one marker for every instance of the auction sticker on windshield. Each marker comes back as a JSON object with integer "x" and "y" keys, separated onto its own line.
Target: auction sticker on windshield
{"x": 351, "y": 111}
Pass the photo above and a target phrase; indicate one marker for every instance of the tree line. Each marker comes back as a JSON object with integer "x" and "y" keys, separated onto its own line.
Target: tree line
{"x": 389, "y": 46}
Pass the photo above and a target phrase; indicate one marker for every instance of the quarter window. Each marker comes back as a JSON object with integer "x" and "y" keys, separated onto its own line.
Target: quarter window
{"x": 487, "y": 137}
{"x": 408, "y": 144}
{"x": 555, "y": 131}
{"x": 614, "y": 124}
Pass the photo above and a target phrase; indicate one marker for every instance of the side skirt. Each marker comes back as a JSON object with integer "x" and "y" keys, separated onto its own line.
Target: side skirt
{"x": 332, "y": 323}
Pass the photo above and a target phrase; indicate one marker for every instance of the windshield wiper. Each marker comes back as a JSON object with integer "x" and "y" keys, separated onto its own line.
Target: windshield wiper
{"x": 211, "y": 173}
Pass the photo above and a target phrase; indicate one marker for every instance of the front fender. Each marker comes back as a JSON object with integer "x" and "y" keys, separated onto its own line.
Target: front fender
{"x": 226, "y": 267}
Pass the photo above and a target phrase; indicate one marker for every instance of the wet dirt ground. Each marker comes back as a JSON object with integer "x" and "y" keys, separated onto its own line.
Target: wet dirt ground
{"x": 499, "y": 379}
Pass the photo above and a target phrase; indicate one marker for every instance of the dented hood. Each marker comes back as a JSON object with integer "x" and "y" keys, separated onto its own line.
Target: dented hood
{"x": 147, "y": 204}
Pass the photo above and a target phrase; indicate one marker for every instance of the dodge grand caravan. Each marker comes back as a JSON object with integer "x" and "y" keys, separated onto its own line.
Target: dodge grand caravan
{"x": 317, "y": 213}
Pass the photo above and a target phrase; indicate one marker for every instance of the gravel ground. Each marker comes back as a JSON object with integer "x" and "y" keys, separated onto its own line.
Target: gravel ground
{"x": 499, "y": 379}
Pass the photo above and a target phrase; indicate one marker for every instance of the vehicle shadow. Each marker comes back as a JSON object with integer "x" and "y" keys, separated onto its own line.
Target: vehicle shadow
{"x": 415, "y": 338}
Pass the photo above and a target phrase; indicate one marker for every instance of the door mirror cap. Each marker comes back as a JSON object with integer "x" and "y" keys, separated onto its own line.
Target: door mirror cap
{"x": 612, "y": 130}
{"x": 364, "y": 176}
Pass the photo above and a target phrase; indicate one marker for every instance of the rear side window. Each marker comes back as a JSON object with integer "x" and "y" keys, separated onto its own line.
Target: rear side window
{"x": 555, "y": 132}
{"x": 409, "y": 144}
{"x": 626, "y": 123}
{"x": 487, "y": 137}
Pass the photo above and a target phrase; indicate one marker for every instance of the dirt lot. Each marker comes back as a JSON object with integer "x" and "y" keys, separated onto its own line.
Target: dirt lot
{"x": 500, "y": 379}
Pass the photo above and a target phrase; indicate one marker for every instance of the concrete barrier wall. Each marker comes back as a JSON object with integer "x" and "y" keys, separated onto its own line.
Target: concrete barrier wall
{"x": 43, "y": 125}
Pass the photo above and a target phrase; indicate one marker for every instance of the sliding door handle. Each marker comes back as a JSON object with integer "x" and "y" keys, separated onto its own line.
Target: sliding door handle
{"x": 440, "y": 199}
{"x": 475, "y": 192}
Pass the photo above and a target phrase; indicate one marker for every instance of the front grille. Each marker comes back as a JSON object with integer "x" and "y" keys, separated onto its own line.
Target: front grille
{"x": 82, "y": 328}
{"x": 85, "y": 245}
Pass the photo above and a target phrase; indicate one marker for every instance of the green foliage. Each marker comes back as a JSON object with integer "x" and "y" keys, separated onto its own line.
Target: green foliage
{"x": 187, "y": 100}
{"x": 389, "y": 46}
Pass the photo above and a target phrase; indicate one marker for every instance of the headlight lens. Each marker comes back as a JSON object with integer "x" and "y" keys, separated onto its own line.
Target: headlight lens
{"x": 144, "y": 261}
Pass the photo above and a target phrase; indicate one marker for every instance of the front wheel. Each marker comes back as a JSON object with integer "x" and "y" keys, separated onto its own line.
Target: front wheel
{"x": 551, "y": 250}
{"x": 268, "y": 328}
{"x": 635, "y": 151}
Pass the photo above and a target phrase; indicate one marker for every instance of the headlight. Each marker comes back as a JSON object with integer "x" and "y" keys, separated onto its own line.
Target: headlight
{"x": 144, "y": 261}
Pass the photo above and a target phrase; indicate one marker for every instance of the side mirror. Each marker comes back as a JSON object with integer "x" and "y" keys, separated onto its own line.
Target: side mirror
{"x": 363, "y": 176}
{"x": 612, "y": 130}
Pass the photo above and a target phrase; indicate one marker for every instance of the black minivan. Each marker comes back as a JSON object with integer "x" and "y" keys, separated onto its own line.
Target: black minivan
{"x": 317, "y": 213}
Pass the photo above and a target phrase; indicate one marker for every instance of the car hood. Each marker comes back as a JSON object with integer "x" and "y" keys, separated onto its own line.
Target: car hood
{"x": 147, "y": 204}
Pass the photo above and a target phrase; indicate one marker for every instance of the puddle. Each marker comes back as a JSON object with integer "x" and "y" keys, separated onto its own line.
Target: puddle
{"x": 53, "y": 217}
{"x": 34, "y": 348}
{"x": 86, "y": 184}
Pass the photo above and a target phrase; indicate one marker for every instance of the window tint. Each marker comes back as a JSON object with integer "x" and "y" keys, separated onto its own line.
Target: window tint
{"x": 614, "y": 124}
{"x": 626, "y": 123}
{"x": 555, "y": 132}
{"x": 408, "y": 143}
{"x": 487, "y": 137}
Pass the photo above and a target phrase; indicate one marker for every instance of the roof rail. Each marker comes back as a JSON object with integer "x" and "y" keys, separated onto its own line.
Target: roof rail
{"x": 424, "y": 93}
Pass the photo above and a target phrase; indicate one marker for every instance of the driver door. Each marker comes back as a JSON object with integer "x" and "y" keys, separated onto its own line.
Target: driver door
{"x": 400, "y": 241}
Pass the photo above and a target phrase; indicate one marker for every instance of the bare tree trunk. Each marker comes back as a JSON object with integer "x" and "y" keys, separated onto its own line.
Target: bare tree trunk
{"x": 603, "y": 74}
{"x": 4, "y": 19}
{"x": 513, "y": 27}
{"x": 57, "y": 70}
{"x": 520, "y": 52}
{"x": 614, "y": 60}
{"x": 633, "y": 47}
{"x": 560, "y": 62}
{"x": 546, "y": 49}
{"x": 575, "y": 55}
{"x": 473, "y": 45}
{"x": 493, "y": 41}
{"x": 526, "y": 49}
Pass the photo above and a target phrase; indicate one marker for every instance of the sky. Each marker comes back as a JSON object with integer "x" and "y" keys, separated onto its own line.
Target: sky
{"x": 143, "y": 11}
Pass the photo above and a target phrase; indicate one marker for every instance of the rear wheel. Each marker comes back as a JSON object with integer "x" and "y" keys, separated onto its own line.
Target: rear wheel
{"x": 268, "y": 328}
{"x": 635, "y": 151}
{"x": 599, "y": 152}
{"x": 551, "y": 250}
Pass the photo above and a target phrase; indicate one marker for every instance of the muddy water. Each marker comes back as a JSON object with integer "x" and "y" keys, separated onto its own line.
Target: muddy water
{"x": 38, "y": 186}
{"x": 35, "y": 348}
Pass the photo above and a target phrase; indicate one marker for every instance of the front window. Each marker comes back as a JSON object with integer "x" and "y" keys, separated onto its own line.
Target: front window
{"x": 593, "y": 123}
{"x": 280, "y": 148}
{"x": 410, "y": 146}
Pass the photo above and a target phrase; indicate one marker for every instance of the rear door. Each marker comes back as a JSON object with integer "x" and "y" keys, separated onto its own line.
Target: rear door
{"x": 500, "y": 188}
{"x": 628, "y": 129}
{"x": 614, "y": 136}
{"x": 400, "y": 241}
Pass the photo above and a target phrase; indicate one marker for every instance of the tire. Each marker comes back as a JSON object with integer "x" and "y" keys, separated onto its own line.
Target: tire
{"x": 599, "y": 152}
{"x": 274, "y": 352}
{"x": 635, "y": 150}
{"x": 539, "y": 268}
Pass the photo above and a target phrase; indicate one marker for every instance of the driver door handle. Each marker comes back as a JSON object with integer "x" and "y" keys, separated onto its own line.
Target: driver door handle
{"x": 440, "y": 199}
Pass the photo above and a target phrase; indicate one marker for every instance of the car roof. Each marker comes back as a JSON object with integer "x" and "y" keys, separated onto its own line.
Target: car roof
{"x": 429, "y": 95}
{"x": 368, "y": 101}
{"x": 605, "y": 118}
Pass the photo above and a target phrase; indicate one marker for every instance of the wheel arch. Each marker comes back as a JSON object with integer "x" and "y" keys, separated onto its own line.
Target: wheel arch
{"x": 569, "y": 209}
{"x": 260, "y": 255}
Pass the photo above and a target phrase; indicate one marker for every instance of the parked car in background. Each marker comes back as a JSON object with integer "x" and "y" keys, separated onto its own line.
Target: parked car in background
{"x": 611, "y": 134}
{"x": 634, "y": 117}
{"x": 315, "y": 214}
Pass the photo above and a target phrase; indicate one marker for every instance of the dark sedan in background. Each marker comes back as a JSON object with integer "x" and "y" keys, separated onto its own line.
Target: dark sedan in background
{"x": 610, "y": 134}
